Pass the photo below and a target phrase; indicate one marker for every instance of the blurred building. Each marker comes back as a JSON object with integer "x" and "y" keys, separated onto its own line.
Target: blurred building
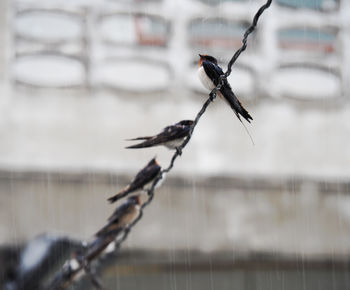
{"x": 77, "y": 79}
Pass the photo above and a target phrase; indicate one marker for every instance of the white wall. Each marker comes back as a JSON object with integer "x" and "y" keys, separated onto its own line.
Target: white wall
{"x": 84, "y": 131}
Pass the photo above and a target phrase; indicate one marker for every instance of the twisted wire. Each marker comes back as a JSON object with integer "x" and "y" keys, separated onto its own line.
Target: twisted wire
{"x": 178, "y": 152}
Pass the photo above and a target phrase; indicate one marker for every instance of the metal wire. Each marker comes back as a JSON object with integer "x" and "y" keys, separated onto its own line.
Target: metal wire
{"x": 178, "y": 152}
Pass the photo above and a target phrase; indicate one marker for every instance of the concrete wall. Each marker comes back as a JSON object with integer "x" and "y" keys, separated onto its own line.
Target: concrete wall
{"x": 85, "y": 128}
{"x": 302, "y": 148}
{"x": 243, "y": 215}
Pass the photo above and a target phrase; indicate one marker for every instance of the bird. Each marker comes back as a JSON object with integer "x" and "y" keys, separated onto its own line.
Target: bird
{"x": 143, "y": 178}
{"x": 34, "y": 270}
{"x": 171, "y": 136}
{"x": 72, "y": 270}
{"x": 209, "y": 73}
{"x": 122, "y": 217}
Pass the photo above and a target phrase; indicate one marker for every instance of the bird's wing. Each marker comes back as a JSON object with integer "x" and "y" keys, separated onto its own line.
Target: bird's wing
{"x": 120, "y": 194}
{"x": 214, "y": 71}
{"x": 140, "y": 138}
{"x": 176, "y": 132}
{"x": 97, "y": 246}
{"x": 120, "y": 210}
{"x": 112, "y": 226}
{"x": 169, "y": 133}
{"x": 235, "y": 104}
{"x": 152, "y": 141}
{"x": 144, "y": 176}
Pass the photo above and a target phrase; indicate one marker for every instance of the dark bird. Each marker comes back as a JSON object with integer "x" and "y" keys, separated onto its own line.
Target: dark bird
{"x": 40, "y": 258}
{"x": 145, "y": 176}
{"x": 209, "y": 73}
{"x": 171, "y": 137}
{"x": 71, "y": 271}
{"x": 123, "y": 216}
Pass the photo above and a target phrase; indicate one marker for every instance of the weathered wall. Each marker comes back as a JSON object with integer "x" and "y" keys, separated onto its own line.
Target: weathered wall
{"x": 74, "y": 131}
{"x": 244, "y": 215}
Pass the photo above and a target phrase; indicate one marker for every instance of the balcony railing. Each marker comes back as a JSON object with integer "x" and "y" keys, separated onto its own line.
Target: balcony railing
{"x": 102, "y": 46}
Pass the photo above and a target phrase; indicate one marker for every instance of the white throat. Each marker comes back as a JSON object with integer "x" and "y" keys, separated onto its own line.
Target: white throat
{"x": 205, "y": 80}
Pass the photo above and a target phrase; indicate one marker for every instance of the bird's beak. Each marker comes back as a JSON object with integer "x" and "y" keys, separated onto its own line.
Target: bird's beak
{"x": 155, "y": 160}
{"x": 138, "y": 199}
{"x": 200, "y": 60}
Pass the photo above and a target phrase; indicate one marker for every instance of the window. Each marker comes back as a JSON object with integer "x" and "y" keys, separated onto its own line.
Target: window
{"x": 135, "y": 29}
{"x": 217, "y": 2}
{"x": 49, "y": 70}
{"x": 134, "y": 75}
{"x": 323, "y": 5}
{"x": 53, "y": 41}
{"x": 323, "y": 40}
{"x": 50, "y": 26}
{"x": 302, "y": 82}
{"x": 216, "y": 33}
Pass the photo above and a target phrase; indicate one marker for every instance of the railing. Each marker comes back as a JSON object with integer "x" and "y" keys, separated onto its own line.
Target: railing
{"x": 94, "y": 44}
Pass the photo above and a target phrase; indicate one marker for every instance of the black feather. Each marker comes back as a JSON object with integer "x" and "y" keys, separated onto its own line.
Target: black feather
{"x": 214, "y": 72}
{"x": 144, "y": 176}
{"x": 170, "y": 133}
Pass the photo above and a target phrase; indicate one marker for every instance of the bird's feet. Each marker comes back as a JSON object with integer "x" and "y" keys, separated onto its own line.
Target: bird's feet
{"x": 178, "y": 150}
{"x": 212, "y": 96}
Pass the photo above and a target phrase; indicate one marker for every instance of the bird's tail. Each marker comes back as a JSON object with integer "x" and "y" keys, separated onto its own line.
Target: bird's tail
{"x": 98, "y": 246}
{"x": 246, "y": 129}
{"x": 118, "y": 196}
{"x": 235, "y": 104}
{"x": 145, "y": 144}
{"x": 237, "y": 107}
{"x": 102, "y": 231}
{"x": 139, "y": 138}
{"x": 114, "y": 198}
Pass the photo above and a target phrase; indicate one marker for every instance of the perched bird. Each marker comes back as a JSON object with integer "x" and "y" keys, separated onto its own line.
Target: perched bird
{"x": 145, "y": 176}
{"x": 40, "y": 258}
{"x": 171, "y": 137}
{"x": 122, "y": 217}
{"x": 98, "y": 246}
{"x": 209, "y": 74}
{"x": 71, "y": 271}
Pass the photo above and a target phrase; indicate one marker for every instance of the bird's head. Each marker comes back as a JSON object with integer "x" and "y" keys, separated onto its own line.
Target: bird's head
{"x": 185, "y": 123}
{"x": 135, "y": 199}
{"x": 153, "y": 162}
{"x": 207, "y": 58}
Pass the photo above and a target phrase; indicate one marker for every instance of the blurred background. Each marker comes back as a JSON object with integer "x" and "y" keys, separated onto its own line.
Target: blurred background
{"x": 78, "y": 77}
